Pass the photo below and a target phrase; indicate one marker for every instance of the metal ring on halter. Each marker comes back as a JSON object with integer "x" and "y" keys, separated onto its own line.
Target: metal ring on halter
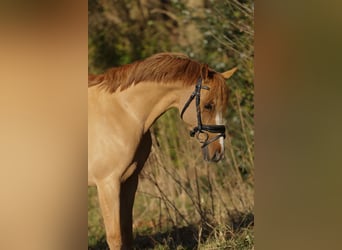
{"x": 202, "y": 140}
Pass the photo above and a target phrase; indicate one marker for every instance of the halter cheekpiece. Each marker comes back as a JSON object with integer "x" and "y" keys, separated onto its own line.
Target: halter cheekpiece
{"x": 201, "y": 128}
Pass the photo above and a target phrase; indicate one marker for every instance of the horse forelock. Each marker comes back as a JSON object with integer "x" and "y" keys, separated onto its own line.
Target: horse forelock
{"x": 161, "y": 68}
{"x": 218, "y": 91}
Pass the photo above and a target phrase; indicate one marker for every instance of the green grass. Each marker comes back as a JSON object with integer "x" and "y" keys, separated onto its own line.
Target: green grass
{"x": 236, "y": 234}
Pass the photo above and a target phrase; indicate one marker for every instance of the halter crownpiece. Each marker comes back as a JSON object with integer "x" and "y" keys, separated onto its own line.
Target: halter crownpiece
{"x": 200, "y": 128}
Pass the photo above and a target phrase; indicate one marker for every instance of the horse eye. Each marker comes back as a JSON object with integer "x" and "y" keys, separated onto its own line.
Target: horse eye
{"x": 208, "y": 106}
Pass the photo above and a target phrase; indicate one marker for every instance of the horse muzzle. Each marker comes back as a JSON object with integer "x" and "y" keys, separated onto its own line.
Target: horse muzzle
{"x": 213, "y": 155}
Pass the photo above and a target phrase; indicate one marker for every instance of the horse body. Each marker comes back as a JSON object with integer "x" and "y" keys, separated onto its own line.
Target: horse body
{"x": 119, "y": 141}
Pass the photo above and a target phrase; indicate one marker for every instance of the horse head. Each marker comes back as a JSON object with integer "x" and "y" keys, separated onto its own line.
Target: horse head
{"x": 205, "y": 118}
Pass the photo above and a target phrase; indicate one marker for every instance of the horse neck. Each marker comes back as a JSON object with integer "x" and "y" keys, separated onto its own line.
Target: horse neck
{"x": 147, "y": 101}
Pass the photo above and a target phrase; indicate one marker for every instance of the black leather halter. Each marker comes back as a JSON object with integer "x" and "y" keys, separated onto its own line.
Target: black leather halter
{"x": 201, "y": 128}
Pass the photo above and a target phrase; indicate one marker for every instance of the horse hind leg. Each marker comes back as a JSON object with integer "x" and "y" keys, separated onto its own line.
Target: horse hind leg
{"x": 128, "y": 190}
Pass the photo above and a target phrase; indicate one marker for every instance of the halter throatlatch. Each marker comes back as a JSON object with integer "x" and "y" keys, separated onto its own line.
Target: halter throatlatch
{"x": 201, "y": 128}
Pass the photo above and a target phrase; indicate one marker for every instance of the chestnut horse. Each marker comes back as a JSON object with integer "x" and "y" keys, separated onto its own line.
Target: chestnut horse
{"x": 123, "y": 103}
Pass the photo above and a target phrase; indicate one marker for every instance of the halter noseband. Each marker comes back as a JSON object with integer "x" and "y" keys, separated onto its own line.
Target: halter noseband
{"x": 200, "y": 128}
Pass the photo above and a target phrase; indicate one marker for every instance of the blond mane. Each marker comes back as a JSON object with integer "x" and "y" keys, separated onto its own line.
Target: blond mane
{"x": 162, "y": 67}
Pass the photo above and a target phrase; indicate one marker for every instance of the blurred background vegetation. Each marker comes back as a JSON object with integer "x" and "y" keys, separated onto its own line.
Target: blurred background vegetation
{"x": 183, "y": 202}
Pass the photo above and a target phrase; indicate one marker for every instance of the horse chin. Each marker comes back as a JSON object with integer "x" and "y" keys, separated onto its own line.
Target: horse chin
{"x": 211, "y": 158}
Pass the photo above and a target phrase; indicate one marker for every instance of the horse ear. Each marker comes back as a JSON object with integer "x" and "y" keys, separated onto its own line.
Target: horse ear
{"x": 229, "y": 73}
